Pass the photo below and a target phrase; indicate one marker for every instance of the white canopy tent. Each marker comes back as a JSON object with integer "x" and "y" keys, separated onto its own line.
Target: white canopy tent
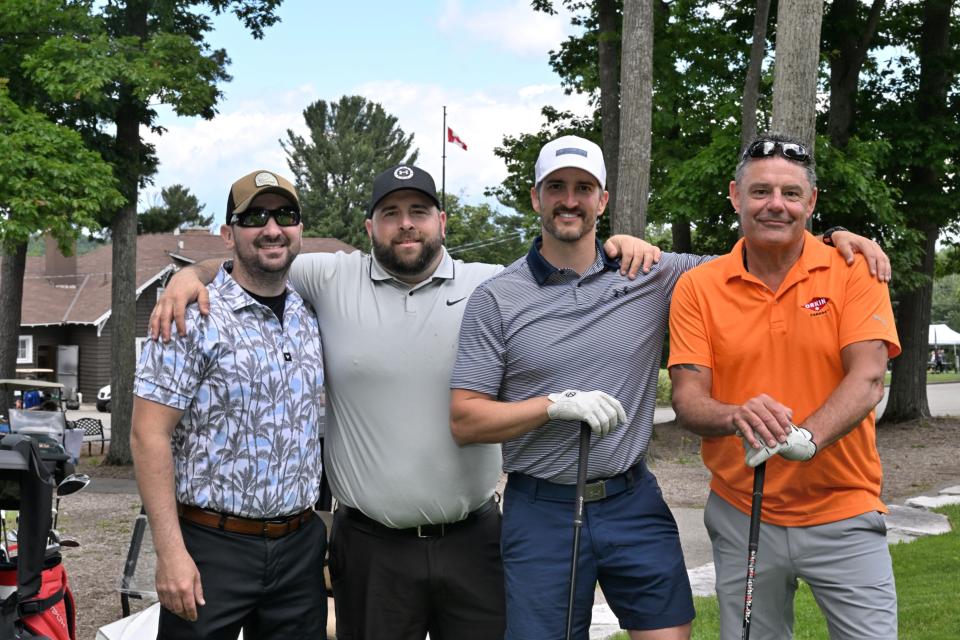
{"x": 941, "y": 334}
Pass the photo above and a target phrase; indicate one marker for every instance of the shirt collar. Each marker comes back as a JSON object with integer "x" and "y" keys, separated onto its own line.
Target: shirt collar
{"x": 445, "y": 271}
{"x": 541, "y": 269}
{"x": 815, "y": 255}
{"x": 237, "y": 298}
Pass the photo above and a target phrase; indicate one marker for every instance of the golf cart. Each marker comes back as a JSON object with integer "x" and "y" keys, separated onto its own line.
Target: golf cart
{"x": 45, "y": 421}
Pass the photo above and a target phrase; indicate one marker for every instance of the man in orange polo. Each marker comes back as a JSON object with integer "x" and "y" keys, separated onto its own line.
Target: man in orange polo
{"x": 779, "y": 349}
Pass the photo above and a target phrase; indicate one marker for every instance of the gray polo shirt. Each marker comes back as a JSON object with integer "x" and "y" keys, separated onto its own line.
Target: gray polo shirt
{"x": 388, "y": 352}
{"x": 534, "y": 329}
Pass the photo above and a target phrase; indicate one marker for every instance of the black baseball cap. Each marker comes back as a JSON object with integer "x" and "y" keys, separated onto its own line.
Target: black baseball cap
{"x": 402, "y": 177}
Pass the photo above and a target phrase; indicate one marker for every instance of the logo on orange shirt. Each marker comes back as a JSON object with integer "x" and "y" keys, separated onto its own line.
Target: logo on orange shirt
{"x": 816, "y": 306}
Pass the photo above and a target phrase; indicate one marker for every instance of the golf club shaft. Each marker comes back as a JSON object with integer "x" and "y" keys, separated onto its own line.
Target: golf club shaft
{"x": 578, "y": 520}
{"x": 753, "y": 542}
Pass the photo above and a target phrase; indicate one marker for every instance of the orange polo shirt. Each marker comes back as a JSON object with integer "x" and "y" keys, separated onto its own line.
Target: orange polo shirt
{"x": 787, "y": 345}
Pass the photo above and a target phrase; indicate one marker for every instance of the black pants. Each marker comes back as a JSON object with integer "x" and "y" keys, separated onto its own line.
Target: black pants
{"x": 396, "y": 586}
{"x": 271, "y": 588}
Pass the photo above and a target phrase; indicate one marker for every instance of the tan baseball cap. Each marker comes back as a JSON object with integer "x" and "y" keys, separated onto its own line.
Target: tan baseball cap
{"x": 244, "y": 190}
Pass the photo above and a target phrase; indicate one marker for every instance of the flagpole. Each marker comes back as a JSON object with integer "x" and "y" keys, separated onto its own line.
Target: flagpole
{"x": 443, "y": 171}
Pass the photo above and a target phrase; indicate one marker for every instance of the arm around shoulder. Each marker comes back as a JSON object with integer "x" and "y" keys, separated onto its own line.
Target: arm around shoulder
{"x": 186, "y": 286}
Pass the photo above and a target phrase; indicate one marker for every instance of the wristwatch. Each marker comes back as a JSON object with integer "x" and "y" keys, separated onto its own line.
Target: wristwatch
{"x": 828, "y": 234}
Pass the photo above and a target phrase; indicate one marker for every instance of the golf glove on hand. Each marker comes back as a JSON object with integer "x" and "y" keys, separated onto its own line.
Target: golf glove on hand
{"x": 799, "y": 446}
{"x": 601, "y": 411}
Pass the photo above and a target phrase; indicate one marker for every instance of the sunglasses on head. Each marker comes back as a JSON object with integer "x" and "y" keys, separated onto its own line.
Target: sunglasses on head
{"x": 259, "y": 216}
{"x": 767, "y": 148}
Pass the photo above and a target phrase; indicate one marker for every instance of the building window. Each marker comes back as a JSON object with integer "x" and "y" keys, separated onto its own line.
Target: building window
{"x": 25, "y": 350}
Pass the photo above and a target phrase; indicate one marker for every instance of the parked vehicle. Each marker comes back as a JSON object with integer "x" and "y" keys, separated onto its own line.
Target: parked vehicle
{"x": 103, "y": 399}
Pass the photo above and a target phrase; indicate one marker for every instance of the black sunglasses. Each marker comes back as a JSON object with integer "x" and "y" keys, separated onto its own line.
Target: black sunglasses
{"x": 259, "y": 216}
{"x": 767, "y": 148}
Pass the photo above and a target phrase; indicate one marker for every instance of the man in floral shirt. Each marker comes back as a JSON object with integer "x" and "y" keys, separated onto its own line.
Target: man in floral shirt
{"x": 225, "y": 440}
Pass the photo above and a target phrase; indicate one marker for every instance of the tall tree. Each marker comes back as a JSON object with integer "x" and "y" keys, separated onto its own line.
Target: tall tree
{"x": 350, "y": 142}
{"x": 129, "y": 56}
{"x": 636, "y": 84}
{"x": 795, "y": 69}
{"x": 180, "y": 209}
{"x": 929, "y": 186}
{"x": 847, "y": 56}
{"x": 751, "y": 85}
{"x": 609, "y": 19}
{"x": 49, "y": 183}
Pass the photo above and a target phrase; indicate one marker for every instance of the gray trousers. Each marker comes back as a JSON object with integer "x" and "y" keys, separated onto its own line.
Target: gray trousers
{"x": 846, "y": 563}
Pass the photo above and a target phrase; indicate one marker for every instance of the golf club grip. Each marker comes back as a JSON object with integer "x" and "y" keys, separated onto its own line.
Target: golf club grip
{"x": 582, "y": 464}
{"x": 753, "y": 543}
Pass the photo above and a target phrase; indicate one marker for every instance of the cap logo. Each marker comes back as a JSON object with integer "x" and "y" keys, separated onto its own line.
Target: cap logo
{"x": 403, "y": 173}
{"x": 571, "y": 151}
{"x": 264, "y": 179}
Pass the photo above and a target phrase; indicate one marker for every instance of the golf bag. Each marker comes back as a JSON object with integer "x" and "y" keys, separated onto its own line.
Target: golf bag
{"x": 41, "y": 605}
{"x": 51, "y": 613}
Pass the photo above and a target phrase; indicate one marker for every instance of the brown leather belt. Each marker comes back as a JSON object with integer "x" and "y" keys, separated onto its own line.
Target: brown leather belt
{"x": 274, "y": 528}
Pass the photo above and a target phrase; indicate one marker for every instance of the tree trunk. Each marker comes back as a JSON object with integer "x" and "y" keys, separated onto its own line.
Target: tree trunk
{"x": 751, "y": 86}
{"x": 847, "y": 56}
{"x": 908, "y": 380}
{"x": 795, "y": 69}
{"x": 13, "y": 264}
{"x": 636, "y": 88}
{"x": 124, "y": 286}
{"x": 681, "y": 236}
{"x": 908, "y": 389}
{"x": 608, "y": 48}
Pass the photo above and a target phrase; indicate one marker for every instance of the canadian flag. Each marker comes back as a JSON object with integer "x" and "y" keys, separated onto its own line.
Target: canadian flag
{"x": 455, "y": 139}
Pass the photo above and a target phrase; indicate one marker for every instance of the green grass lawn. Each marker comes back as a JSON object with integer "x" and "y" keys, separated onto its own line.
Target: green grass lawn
{"x": 927, "y": 572}
{"x": 933, "y": 378}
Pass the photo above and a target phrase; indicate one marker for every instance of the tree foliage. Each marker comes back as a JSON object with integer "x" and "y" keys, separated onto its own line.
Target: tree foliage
{"x": 480, "y": 233}
{"x": 349, "y": 143}
{"x": 102, "y": 68}
{"x": 179, "y": 209}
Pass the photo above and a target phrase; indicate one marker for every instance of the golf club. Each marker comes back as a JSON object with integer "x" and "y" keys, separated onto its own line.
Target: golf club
{"x": 71, "y": 484}
{"x": 578, "y": 519}
{"x": 752, "y": 543}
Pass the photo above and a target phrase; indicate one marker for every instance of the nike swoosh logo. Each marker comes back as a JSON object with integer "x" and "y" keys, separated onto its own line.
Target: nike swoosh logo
{"x": 450, "y": 303}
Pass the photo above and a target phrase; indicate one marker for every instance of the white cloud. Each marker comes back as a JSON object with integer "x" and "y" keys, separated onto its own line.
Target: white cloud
{"x": 207, "y": 156}
{"x": 512, "y": 25}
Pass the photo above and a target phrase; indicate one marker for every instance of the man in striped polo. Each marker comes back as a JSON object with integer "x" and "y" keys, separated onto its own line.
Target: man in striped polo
{"x": 557, "y": 338}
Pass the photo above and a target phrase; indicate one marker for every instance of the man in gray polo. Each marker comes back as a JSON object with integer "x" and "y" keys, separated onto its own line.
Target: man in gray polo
{"x": 415, "y": 542}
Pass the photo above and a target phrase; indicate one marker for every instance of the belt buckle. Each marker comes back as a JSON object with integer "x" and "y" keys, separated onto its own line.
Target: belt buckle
{"x": 595, "y": 491}
{"x": 420, "y": 533}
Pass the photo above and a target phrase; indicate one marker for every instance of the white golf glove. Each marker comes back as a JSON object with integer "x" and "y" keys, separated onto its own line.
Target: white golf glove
{"x": 600, "y": 410}
{"x": 799, "y": 446}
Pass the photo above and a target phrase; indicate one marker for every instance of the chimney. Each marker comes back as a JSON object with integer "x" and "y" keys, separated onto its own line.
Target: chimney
{"x": 61, "y": 270}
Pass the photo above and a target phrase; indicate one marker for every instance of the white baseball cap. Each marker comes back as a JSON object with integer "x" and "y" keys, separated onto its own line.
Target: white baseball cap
{"x": 571, "y": 151}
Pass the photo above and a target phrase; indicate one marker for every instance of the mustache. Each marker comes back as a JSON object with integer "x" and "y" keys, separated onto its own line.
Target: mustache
{"x": 408, "y": 237}
{"x": 279, "y": 241}
{"x": 561, "y": 209}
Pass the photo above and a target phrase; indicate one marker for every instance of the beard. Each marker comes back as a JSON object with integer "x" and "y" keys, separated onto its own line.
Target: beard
{"x": 389, "y": 259}
{"x": 257, "y": 266}
{"x": 567, "y": 233}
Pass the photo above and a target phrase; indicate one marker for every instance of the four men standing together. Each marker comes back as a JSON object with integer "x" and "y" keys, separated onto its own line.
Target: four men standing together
{"x": 561, "y": 336}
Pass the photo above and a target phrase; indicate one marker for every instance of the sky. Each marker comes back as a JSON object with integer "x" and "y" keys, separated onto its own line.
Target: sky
{"x": 487, "y": 61}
